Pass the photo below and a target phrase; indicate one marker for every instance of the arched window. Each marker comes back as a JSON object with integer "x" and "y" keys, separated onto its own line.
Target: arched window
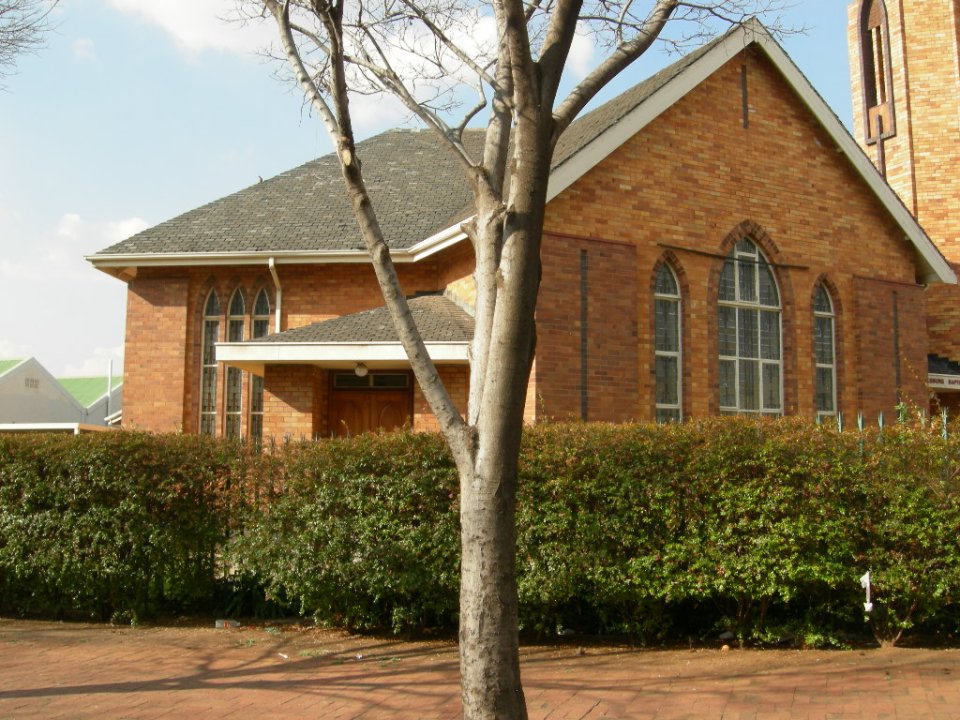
{"x": 234, "y": 404}
{"x": 748, "y": 329}
{"x": 667, "y": 350}
{"x": 824, "y": 353}
{"x": 208, "y": 365}
{"x": 261, "y": 326}
{"x": 875, "y": 70}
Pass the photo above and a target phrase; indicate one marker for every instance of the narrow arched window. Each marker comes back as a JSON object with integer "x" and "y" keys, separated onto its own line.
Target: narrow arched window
{"x": 208, "y": 365}
{"x": 667, "y": 346}
{"x": 234, "y": 405}
{"x": 749, "y": 334}
{"x": 261, "y": 326}
{"x": 824, "y": 352}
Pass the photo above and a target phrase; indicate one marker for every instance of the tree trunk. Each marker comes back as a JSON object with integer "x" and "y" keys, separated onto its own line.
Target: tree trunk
{"x": 489, "y": 645}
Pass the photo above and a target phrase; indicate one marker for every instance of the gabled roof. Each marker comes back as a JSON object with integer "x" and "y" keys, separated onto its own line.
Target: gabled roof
{"x": 367, "y": 336}
{"x": 87, "y": 390}
{"x": 421, "y": 195}
{"x": 7, "y": 365}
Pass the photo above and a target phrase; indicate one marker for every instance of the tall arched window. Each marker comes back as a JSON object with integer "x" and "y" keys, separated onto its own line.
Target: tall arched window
{"x": 234, "y": 405}
{"x": 261, "y": 326}
{"x": 667, "y": 348}
{"x": 748, "y": 329}
{"x": 824, "y": 353}
{"x": 208, "y": 365}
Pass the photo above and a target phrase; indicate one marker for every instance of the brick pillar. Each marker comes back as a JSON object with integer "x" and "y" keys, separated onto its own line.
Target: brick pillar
{"x": 290, "y": 402}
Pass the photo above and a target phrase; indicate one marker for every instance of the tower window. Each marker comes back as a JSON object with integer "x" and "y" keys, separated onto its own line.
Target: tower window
{"x": 875, "y": 71}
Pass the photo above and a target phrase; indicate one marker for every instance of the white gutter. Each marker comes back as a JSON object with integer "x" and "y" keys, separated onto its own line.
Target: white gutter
{"x": 272, "y": 264}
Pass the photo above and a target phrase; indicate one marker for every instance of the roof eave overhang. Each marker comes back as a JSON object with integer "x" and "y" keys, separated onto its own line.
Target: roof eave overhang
{"x": 254, "y": 357}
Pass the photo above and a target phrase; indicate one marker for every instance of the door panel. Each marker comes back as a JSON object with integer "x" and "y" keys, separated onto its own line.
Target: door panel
{"x": 352, "y": 412}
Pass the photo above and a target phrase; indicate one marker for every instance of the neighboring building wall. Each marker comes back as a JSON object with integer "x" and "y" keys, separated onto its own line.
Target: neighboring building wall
{"x": 694, "y": 180}
{"x": 30, "y": 394}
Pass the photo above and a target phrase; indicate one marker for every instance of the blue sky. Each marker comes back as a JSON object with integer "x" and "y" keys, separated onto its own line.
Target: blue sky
{"x": 139, "y": 110}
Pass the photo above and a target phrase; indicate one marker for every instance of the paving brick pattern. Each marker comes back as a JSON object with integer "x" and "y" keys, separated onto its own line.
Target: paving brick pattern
{"x": 52, "y": 670}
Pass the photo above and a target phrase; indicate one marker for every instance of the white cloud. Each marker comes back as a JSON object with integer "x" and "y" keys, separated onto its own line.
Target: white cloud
{"x": 83, "y": 49}
{"x": 97, "y": 363}
{"x": 580, "y": 58}
{"x": 198, "y": 25}
{"x": 10, "y": 350}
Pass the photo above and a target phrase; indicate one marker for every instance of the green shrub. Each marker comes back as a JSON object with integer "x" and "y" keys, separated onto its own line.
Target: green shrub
{"x": 758, "y": 527}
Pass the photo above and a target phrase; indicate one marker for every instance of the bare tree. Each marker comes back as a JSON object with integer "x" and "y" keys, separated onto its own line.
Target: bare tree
{"x": 22, "y": 24}
{"x": 505, "y": 58}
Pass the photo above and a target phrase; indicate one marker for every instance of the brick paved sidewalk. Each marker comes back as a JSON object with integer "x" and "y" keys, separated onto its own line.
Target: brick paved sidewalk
{"x": 52, "y": 670}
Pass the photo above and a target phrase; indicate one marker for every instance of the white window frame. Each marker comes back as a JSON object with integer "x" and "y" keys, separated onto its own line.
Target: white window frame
{"x": 677, "y": 354}
{"x": 747, "y": 251}
{"x": 208, "y": 370}
{"x": 261, "y": 321}
{"x": 233, "y": 387}
{"x": 831, "y": 316}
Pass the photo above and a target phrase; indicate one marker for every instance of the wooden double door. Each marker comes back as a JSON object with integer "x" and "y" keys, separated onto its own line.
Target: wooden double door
{"x": 360, "y": 409}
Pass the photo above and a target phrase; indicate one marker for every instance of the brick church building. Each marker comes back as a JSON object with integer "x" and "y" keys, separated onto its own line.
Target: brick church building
{"x": 715, "y": 242}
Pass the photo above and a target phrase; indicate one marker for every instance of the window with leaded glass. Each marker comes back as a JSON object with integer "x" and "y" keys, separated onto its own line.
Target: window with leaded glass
{"x": 824, "y": 353}
{"x": 208, "y": 365}
{"x": 234, "y": 401}
{"x": 667, "y": 353}
{"x": 261, "y": 326}
{"x": 748, "y": 329}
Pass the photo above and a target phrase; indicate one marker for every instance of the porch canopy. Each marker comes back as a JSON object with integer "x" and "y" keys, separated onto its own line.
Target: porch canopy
{"x": 366, "y": 337}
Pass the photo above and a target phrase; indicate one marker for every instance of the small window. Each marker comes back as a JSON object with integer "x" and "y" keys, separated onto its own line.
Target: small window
{"x": 748, "y": 334}
{"x": 824, "y": 353}
{"x": 667, "y": 352}
{"x": 378, "y": 381}
{"x": 208, "y": 365}
{"x": 234, "y": 404}
{"x": 875, "y": 70}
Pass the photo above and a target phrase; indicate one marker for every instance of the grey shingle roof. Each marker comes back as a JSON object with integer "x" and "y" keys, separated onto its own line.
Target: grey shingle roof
{"x": 416, "y": 185}
{"x": 439, "y": 320}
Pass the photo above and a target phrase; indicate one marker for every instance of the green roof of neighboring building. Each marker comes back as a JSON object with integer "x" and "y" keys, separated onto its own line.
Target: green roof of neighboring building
{"x": 9, "y": 364}
{"x": 87, "y": 390}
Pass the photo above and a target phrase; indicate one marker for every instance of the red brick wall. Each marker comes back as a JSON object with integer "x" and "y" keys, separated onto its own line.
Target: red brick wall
{"x": 291, "y": 402}
{"x": 456, "y": 378}
{"x": 891, "y": 347}
{"x": 155, "y": 354}
{"x": 610, "y": 354}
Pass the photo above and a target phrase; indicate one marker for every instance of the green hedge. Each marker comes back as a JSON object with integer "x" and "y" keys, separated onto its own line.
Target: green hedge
{"x": 121, "y": 524}
{"x": 762, "y": 528}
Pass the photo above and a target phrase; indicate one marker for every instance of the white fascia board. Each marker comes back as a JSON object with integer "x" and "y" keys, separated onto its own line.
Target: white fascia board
{"x": 942, "y": 382}
{"x": 437, "y": 242}
{"x": 228, "y": 258}
{"x": 271, "y": 353}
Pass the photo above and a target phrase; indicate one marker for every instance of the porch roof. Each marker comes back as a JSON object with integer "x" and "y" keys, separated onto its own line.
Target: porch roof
{"x": 368, "y": 337}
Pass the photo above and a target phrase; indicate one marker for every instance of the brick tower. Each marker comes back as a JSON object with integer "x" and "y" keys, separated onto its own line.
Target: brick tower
{"x": 905, "y": 79}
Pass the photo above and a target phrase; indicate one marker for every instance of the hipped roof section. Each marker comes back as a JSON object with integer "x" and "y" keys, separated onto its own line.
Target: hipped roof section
{"x": 421, "y": 195}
